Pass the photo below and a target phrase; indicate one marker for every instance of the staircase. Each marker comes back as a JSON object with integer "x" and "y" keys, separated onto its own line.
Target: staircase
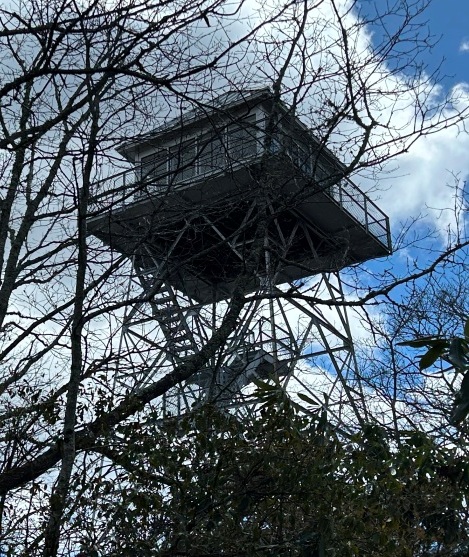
{"x": 173, "y": 322}
{"x": 223, "y": 385}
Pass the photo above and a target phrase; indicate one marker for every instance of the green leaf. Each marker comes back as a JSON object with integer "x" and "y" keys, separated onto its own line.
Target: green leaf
{"x": 459, "y": 412}
{"x": 464, "y": 390}
{"x": 466, "y": 329}
{"x": 461, "y": 402}
{"x": 424, "y": 342}
{"x": 307, "y": 399}
{"x": 431, "y": 356}
{"x": 243, "y": 504}
{"x": 262, "y": 386}
{"x": 457, "y": 353}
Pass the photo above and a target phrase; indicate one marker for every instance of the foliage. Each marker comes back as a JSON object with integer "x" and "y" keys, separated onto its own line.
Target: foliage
{"x": 86, "y": 459}
{"x": 284, "y": 483}
{"x": 455, "y": 351}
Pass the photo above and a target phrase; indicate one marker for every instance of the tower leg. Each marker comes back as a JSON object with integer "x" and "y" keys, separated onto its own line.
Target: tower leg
{"x": 306, "y": 348}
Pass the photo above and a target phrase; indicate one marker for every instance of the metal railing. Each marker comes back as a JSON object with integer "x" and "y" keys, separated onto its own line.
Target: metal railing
{"x": 141, "y": 182}
{"x": 114, "y": 192}
{"x": 132, "y": 185}
{"x": 358, "y": 205}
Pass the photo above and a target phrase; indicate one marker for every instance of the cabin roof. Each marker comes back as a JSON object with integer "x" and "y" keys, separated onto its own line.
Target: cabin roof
{"x": 224, "y": 104}
{"x": 221, "y": 104}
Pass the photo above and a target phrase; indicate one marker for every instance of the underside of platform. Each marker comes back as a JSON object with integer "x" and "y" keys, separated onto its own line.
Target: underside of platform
{"x": 204, "y": 231}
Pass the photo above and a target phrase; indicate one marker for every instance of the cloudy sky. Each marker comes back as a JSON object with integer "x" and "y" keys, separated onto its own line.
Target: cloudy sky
{"x": 422, "y": 181}
{"x": 449, "y": 22}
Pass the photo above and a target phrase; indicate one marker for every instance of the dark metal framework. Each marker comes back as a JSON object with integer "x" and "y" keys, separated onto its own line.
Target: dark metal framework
{"x": 185, "y": 218}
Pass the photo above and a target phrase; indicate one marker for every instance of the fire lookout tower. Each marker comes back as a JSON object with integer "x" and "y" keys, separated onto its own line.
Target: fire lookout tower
{"x": 237, "y": 188}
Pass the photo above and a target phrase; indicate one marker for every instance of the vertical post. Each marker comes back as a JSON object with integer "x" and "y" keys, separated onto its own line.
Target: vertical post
{"x": 270, "y": 287}
{"x": 124, "y": 188}
{"x": 365, "y": 206}
{"x": 388, "y": 233}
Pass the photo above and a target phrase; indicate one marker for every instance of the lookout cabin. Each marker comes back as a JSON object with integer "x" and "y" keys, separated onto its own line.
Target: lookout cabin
{"x": 189, "y": 199}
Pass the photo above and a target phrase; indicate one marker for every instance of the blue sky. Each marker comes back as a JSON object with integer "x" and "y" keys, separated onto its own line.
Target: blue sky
{"x": 422, "y": 182}
{"x": 449, "y": 20}
{"x": 448, "y": 24}
{"x": 420, "y": 185}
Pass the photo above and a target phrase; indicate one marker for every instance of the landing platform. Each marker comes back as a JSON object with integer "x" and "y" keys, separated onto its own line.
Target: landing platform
{"x": 204, "y": 228}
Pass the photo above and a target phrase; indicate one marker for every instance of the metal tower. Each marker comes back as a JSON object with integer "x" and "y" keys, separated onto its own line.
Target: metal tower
{"x": 237, "y": 189}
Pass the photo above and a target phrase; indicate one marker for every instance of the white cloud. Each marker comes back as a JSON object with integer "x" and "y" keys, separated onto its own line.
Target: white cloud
{"x": 464, "y": 46}
{"x": 410, "y": 185}
{"x": 422, "y": 181}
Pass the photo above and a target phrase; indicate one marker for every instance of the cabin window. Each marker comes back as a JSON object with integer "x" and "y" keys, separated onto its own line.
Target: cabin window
{"x": 300, "y": 156}
{"x": 155, "y": 166}
{"x": 182, "y": 160}
{"x": 242, "y": 139}
{"x": 297, "y": 151}
{"x": 211, "y": 154}
{"x": 203, "y": 155}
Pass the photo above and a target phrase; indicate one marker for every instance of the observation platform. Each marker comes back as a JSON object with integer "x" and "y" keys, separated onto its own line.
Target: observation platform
{"x": 200, "y": 184}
